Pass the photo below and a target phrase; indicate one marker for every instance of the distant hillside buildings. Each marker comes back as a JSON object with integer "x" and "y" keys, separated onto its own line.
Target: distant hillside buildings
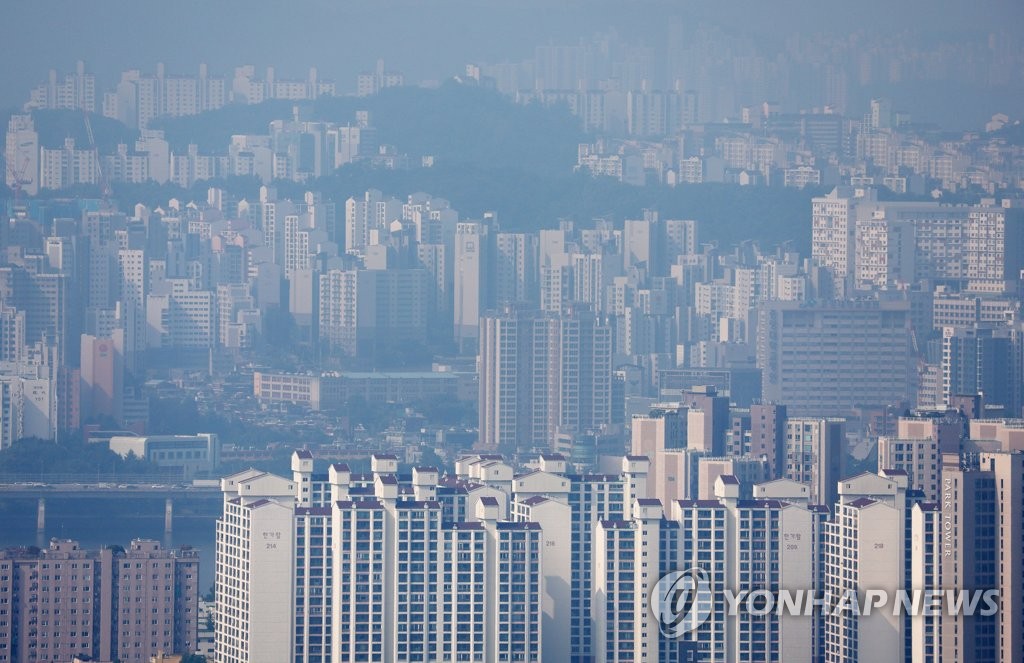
{"x": 679, "y": 134}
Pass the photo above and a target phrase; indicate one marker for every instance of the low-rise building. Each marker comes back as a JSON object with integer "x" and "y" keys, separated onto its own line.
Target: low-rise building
{"x": 193, "y": 454}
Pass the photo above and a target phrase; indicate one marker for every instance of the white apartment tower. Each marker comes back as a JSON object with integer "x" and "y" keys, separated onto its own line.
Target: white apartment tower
{"x": 554, "y": 516}
{"x": 771, "y": 545}
{"x": 865, "y": 549}
{"x": 254, "y": 581}
{"x": 590, "y": 498}
{"x": 337, "y": 310}
{"x": 833, "y": 227}
{"x": 869, "y": 244}
{"x": 588, "y": 279}
{"x": 623, "y": 629}
{"x": 374, "y": 567}
{"x": 703, "y": 536}
{"x": 134, "y": 287}
{"x": 472, "y": 282}
{"x": 738, "y": 544}
{"x": 926, "y": 573}
{"x": 503, "y": 372}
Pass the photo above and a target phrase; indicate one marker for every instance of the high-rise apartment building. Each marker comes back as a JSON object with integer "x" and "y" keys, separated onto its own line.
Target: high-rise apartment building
{"x": 919, "y": 458}
{"x": 555, "y": 517}
{"x": 661, "y": 437}
{"x": 833, "y": 233}
{"x": 367, "y": 312}
{"x": 12, "y": 334}
{"x": 738, "y": 544}
{"x": 865, "y": 548}
{"x": 993, "y": 251}
{"x": 487, "y": 565}
{"x": 67, "y": 165}
{"x": 588, "y": 279}
{"x": 590, "y": 499}
{"x": 641, "y": 245}
{"x": 516, "y": 269}
{"x": 919, "y": 444}
{"x": 337, "y": 309}
{"x": 707, "y": 418}
{"x": 885, "y": 251}
{"x": 985, "y": 360}
{"x": 623, "y": 631}
{"x": 374, "y": 567}
{"x": 43, "y": 298}
{"x": 110, "y": 604}
{"x": 504, "y": 379}
{"x": 367, "y": 218}
{"x": 771, "y": 544}
{"x": 179, "y": 317}
{"x": 981, "y": 533}
{"x": 768, "y": 435}
{"x": 76, "y": 92}
{"x": 541, "y": 374}
{"x": 815, "y": 455}
{"x": 473, "y": 280}
{"x": 926, "y": 572}
{"x": 869, "y": 244}
{"x": 826, "y": 359}
{"x": 133, "y": 282}
{"x": 255, "y": 554}
{"x": 101, "y": 390}
{"x": 371, "y": 82}
{"x": 139, "y": 97}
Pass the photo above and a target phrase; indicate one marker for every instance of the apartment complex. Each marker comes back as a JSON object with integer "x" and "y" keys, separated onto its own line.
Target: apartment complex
{"x": 110, "y": 604}
{"x": 866, "y": 243}
{"x": 383, "y": 570}
{"x": 486, "y": 564}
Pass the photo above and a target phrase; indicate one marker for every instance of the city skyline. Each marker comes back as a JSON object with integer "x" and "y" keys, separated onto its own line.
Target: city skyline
{"x": 507, "y": 35}
{"x": 503, "y": 331}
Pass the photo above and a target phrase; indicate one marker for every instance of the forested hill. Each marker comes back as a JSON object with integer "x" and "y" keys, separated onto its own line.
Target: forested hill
{"x": 493, "y": 154}
{"x": 454, "y": 123}
{"x": 527, "y": 201}
{"x": 490, "y": 155}
{"x": 53, "y": 126}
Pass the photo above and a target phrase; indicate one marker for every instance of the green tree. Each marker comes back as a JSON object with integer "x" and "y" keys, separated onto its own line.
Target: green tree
{"x": 45, "y": 457}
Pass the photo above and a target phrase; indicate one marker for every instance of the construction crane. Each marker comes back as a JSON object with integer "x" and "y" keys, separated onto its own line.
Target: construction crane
{"x": 17, "y": 180}
{"x": 105, "y": 190}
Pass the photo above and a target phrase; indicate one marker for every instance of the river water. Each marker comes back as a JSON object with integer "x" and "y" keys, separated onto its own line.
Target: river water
{"x": 96, "y": 523}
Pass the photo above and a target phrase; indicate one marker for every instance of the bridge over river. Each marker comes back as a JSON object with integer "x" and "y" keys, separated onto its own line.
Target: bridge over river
{"x": 206, "y": 497}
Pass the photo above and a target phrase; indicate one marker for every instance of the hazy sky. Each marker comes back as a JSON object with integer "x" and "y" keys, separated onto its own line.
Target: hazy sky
{"x": 423, "y": 38}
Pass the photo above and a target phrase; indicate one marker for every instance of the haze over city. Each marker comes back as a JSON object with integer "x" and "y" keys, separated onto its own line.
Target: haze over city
{"x": 431, "y": 41}
{"x": 511, "y": 331}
